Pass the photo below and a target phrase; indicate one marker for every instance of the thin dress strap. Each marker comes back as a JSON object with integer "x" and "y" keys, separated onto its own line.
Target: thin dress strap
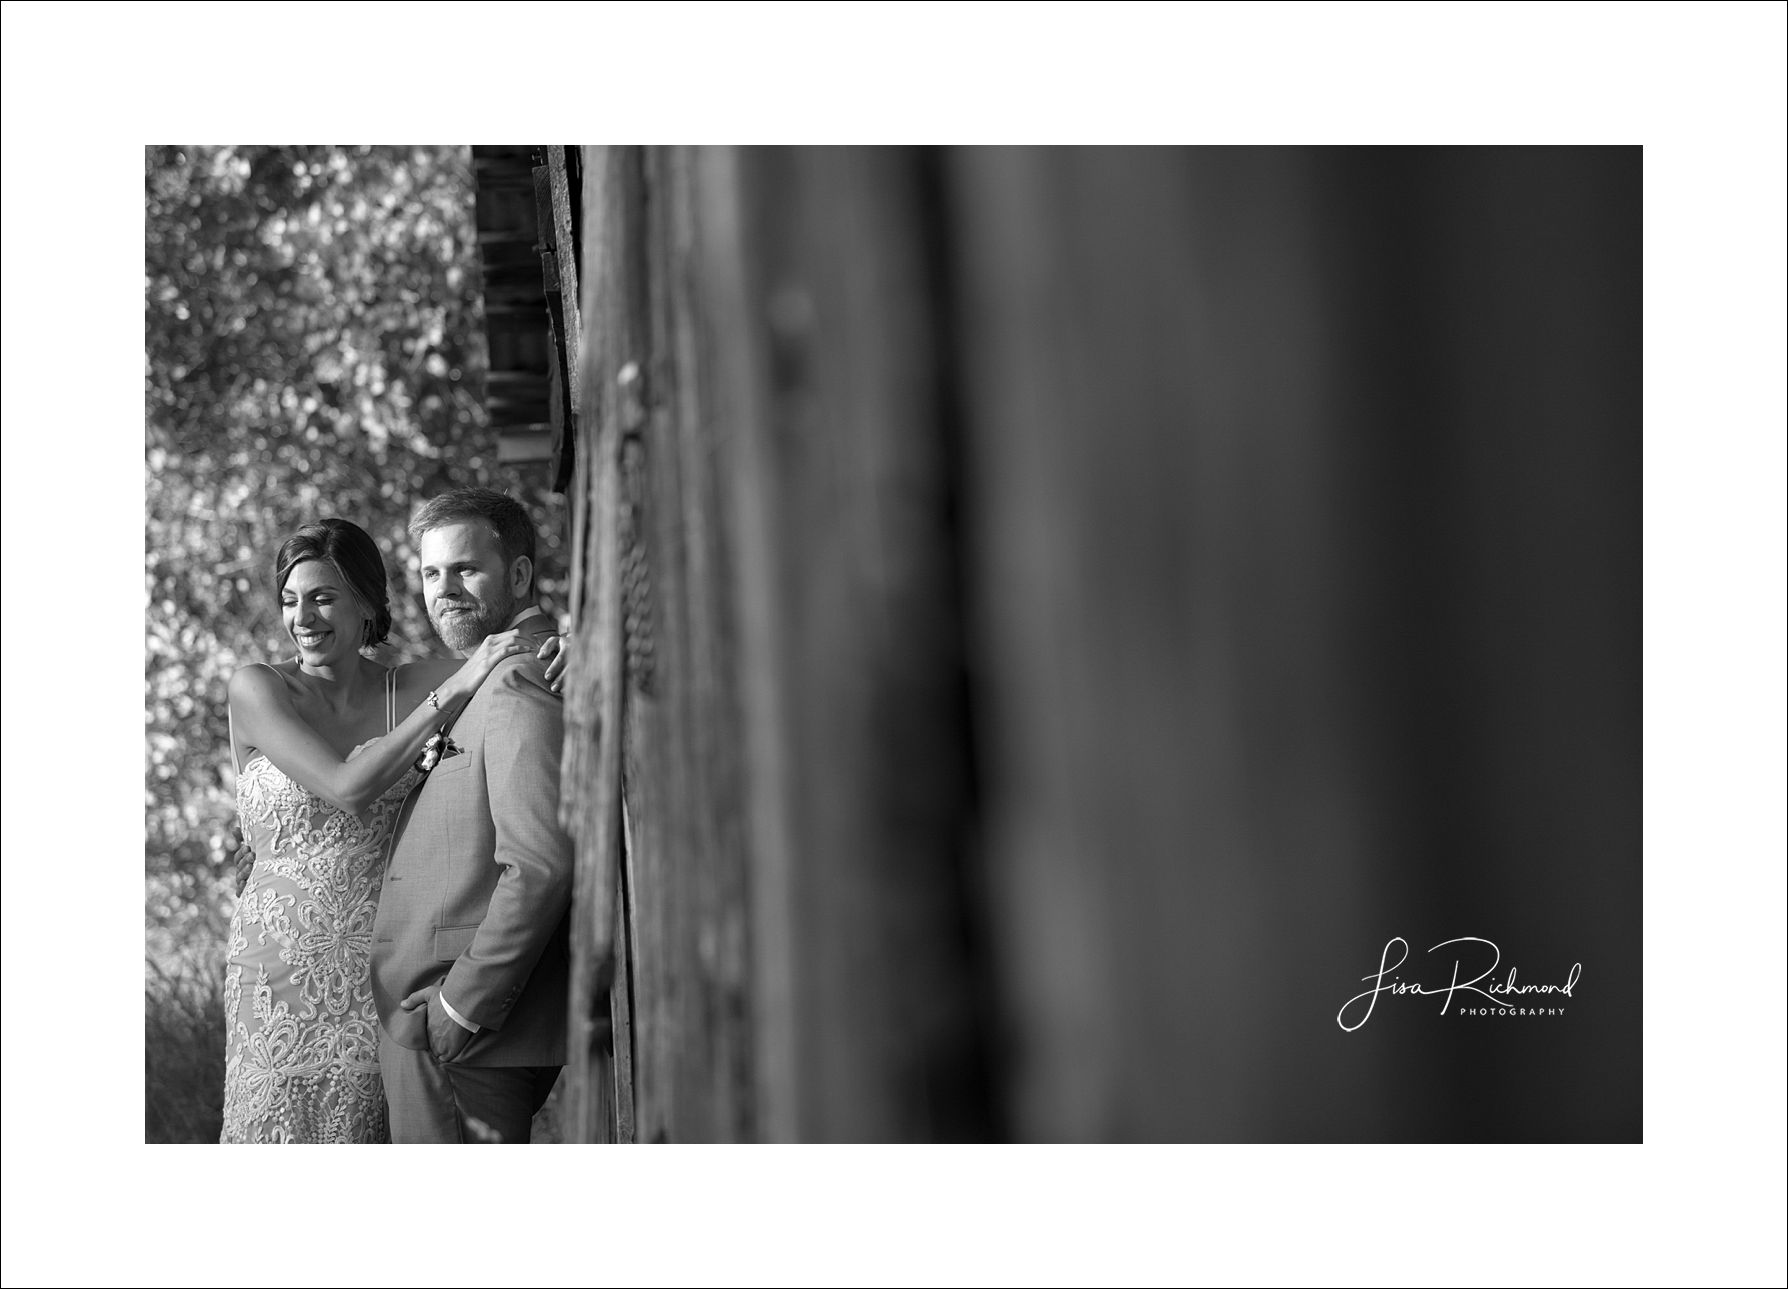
{"x": 235, "y": 760}
{"x": 391, "y": 700}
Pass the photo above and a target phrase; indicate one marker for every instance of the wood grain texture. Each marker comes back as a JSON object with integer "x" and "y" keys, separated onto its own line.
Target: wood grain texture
{"x": 682, "y": 740}
{"x": 790, "y": 742}
{"x": 595, "y": 678}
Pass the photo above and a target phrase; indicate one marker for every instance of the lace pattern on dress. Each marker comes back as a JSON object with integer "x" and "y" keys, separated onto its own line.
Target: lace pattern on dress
{"x": 301, "y": 1055}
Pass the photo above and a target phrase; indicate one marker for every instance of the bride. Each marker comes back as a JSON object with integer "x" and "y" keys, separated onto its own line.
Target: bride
{"x": 325, "y": 746}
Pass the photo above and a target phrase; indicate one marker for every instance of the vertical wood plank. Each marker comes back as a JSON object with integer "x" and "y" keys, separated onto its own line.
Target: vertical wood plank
{"x": 730, "y": 328}
{"x": 681, "y": 746}
{"x": 557, "y": 226}
{"x": 595, "y": 679}
{"x": 560, "y": 196}
{"x": 1178, "y": 767}
{"x": 621, "y": 995}
{"x": 861, "y": 639}
{"x": 698, "y": 634}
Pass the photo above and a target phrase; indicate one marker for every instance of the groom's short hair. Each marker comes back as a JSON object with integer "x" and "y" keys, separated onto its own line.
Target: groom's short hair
{"x": 502, "y": 514}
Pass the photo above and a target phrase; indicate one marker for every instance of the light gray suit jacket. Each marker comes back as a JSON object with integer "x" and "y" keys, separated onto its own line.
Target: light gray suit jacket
{"x": 478, "y": 883}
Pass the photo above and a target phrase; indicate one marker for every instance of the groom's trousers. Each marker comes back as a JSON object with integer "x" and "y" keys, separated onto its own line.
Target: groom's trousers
{"x": 432, "y": 1102}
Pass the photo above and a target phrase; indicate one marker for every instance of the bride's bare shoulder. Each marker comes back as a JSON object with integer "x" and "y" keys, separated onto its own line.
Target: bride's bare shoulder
{"x": 260, "y": 677}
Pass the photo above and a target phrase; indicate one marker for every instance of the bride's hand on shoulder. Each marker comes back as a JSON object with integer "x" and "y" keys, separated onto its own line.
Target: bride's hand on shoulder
{"x": 555, "y": 652}
{"x": 495, "y": 648}
{"x": 483, "y": 660}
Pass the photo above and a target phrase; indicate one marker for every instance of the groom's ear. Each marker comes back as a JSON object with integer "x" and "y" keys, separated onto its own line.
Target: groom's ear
{"x": 521, "y": 575}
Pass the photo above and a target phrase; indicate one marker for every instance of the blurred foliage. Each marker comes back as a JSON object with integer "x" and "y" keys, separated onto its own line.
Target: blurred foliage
{"x": 183, "y": 1045}
{"x": 315, "y": 347}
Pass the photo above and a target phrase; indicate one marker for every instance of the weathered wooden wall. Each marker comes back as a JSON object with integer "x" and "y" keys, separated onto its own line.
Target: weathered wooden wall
{"x": 1052, "y": 614}
{"x": 768, "y": 635}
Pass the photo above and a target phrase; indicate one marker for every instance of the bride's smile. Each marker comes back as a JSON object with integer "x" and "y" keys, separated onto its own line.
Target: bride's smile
{"x": 321, "y": 614}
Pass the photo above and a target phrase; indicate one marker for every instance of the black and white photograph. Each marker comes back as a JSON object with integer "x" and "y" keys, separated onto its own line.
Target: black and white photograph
{"x": 1091, "y": 689}
{"x": 1027, "y": 613}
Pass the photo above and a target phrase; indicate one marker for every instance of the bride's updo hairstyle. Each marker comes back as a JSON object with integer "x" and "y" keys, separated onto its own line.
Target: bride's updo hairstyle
{"x": 347, "y": 549}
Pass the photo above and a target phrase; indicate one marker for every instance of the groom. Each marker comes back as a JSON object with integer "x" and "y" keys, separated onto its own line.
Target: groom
{"x": 470, "y": 956}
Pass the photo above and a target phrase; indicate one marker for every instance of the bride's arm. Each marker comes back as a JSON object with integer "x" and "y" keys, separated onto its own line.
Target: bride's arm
{"x": 267, "y": 720}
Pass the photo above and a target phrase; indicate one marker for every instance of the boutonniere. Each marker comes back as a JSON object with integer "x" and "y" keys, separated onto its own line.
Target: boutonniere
{"x": 437, "y": 747}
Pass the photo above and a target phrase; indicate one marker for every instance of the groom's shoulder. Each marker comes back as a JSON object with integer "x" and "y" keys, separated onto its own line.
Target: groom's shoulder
{"x": 522, "y": 675}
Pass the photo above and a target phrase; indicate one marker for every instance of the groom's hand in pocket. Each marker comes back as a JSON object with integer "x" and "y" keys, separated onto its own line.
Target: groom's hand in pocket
{"x": 447, "y": 1038}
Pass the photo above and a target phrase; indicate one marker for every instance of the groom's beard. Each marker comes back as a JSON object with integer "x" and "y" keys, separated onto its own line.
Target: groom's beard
{"x": 464, "y": 623}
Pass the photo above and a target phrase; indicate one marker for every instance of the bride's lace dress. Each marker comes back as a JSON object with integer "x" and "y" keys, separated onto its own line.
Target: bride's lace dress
{"x": 302, "y": 1053}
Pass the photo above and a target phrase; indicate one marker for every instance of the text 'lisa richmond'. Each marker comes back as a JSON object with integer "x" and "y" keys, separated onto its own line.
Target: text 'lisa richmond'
{"x": 1505, "y": 997}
